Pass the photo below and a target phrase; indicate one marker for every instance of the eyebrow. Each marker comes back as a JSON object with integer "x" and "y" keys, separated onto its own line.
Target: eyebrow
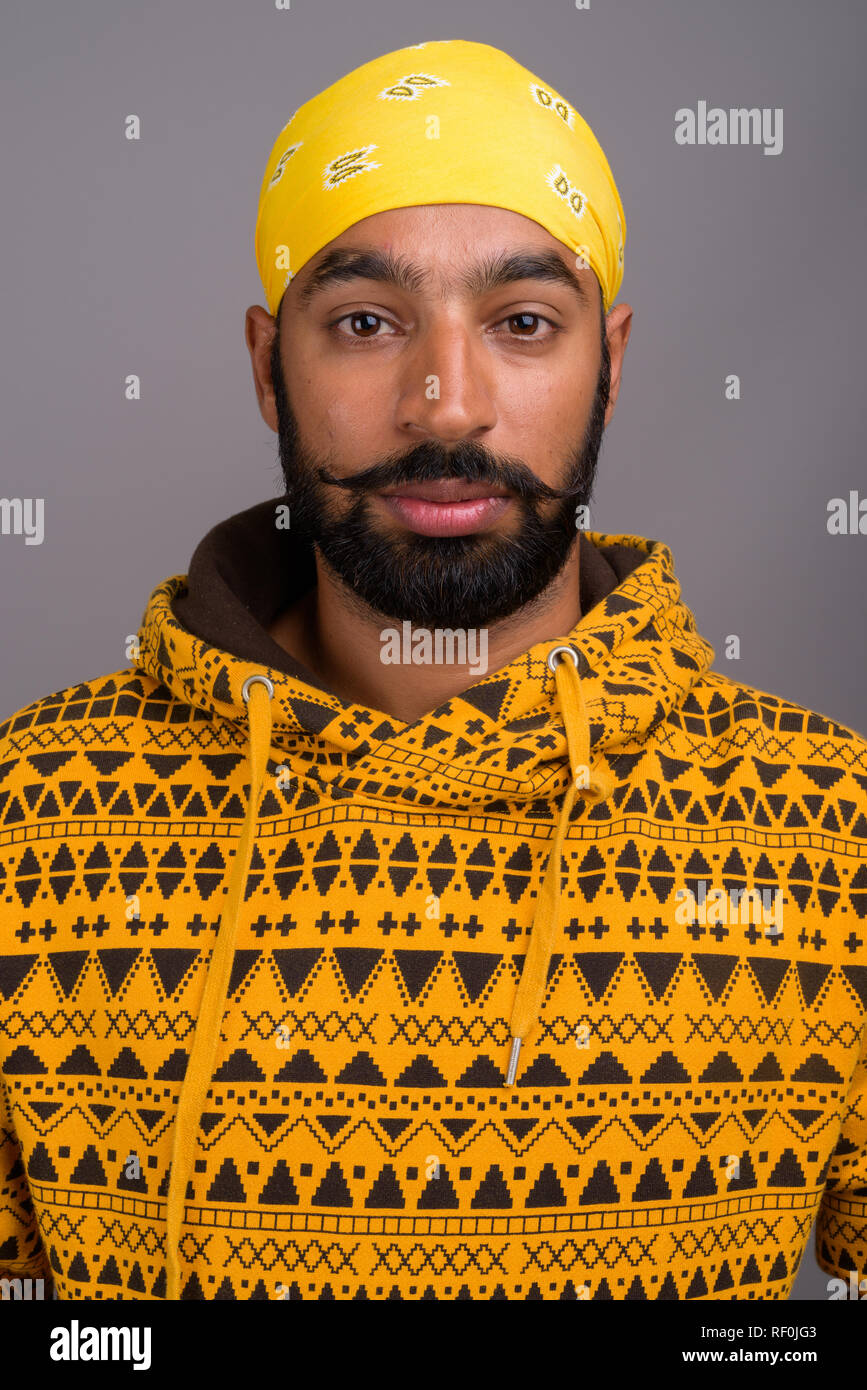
{"x": 525, "y": 263}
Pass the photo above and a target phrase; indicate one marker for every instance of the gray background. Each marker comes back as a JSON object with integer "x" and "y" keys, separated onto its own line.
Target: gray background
{"x": 137, "y": 257}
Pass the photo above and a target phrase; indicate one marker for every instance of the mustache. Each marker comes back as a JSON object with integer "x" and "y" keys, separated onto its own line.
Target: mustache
{"x": 429, "y": 462}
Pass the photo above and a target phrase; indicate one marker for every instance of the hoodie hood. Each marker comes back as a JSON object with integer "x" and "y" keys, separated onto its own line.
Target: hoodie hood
{"x": 638, "y": 651}
{"x": 561, "y": 725}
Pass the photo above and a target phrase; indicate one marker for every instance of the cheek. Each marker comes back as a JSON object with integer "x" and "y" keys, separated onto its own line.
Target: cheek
{"x": 323, "y": 401}
{"x": 333, "y": 418}
{"x": 550, "y": 407}
{"x": 351, "y": 419}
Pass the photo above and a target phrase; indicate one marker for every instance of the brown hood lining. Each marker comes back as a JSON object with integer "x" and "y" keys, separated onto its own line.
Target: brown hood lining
{"x": 245, "y": 571}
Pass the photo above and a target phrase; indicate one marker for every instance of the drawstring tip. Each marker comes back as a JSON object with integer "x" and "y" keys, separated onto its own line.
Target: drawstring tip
{"x": 513, "y": 1061}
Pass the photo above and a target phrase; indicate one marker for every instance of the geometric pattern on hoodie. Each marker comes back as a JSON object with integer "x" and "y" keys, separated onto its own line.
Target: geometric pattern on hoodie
{"x": 358, "y": 1141}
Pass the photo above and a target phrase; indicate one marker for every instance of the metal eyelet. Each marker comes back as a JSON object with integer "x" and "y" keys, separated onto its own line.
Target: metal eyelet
{"x": 555, "y": 651}
{"x": 256, "y": 680}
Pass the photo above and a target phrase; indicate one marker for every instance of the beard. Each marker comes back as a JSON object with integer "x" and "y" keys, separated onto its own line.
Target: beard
{"x": 466, "y": 581}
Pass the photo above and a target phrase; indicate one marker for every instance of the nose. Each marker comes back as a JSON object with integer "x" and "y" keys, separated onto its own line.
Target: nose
{"x": 446, "y": 387}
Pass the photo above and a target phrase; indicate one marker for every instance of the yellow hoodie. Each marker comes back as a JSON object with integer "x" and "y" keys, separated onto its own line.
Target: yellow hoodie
{"x": 263, "y": 957}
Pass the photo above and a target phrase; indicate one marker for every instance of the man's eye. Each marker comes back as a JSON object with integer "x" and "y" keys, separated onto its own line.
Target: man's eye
{"x": 521, "y": 320}
{"x": 357, "y": 316}
{"x": 364, "y": 324}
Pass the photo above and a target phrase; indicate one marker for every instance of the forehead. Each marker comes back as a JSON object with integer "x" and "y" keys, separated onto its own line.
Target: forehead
{"x": 441, "y": 248}
{"x": 454, "y": 224}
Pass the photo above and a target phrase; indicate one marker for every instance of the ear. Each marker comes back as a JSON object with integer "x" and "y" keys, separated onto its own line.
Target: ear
{"x": 259, "y": 331}
{"x": 618, "y": 326}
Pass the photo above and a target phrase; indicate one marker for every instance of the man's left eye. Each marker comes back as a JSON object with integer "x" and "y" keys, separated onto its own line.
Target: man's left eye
{"x": 521, "y": 319}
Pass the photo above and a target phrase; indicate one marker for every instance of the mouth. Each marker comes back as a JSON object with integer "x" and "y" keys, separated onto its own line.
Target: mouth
{"x": 446, "y": 490}
{"x": 448, "y": 506}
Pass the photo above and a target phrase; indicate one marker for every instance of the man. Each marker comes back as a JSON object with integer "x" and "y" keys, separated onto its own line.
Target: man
{"x": 421, "y": 917}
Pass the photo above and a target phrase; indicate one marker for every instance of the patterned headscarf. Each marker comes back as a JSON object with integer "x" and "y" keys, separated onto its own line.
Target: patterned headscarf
{"x": 442, "y": 122}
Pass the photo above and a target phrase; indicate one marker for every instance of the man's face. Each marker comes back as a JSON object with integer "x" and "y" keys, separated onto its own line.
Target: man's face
{"x": 501, "y": 388}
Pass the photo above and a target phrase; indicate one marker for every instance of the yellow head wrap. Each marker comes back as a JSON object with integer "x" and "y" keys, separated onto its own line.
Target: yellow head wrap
{"x": 442, "y": 122}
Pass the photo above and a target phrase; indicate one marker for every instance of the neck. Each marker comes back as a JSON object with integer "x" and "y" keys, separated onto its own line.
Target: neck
{"x": 342, "y": 643}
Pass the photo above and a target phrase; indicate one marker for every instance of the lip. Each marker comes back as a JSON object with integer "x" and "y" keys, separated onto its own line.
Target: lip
{"x": 450, "y": 518}
{"x": 447, "y": 506}
{"x": 446, "y": 490}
